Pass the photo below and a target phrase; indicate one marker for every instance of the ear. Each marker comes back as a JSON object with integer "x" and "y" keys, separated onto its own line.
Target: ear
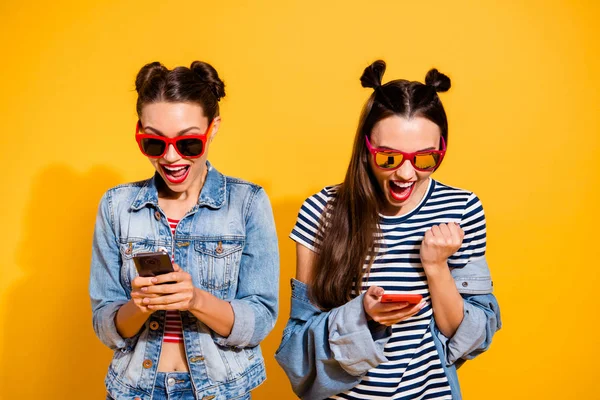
{"x": 215, "y": 128}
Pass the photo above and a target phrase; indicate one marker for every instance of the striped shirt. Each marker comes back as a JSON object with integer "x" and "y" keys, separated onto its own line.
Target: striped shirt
{"x": 413, "y": 369}
{"x": 173, "y": 328}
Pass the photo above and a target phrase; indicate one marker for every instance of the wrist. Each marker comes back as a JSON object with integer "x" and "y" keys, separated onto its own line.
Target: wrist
{"x": 198, "y": 300}
{"x": 436, "y": 268}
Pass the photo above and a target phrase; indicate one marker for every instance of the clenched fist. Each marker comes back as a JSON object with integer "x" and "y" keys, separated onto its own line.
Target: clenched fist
{"x": 439, "y": 243}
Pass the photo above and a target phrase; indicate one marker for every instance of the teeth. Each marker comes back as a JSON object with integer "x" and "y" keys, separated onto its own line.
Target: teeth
{"x": 174, "y": 169}
{"x": 402, "y": 185}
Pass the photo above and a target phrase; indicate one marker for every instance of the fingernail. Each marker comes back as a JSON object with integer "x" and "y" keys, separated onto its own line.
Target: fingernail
{"x": 146, "y": 300}
{"x": 154, "y": 280}
{"x": 144, "y": 289}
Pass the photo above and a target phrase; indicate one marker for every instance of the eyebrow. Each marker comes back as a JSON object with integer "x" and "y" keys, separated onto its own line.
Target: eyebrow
{"x": 159, "y": 133}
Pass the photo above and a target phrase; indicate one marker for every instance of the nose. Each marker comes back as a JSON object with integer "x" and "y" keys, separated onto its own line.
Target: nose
{"x": 171, "y": 155}
{"x": 406, "y": 171}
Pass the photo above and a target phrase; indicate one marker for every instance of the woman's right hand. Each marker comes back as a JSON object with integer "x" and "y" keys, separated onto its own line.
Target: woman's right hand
{"x": 387, "y": 313}
{"x": 137, "y": 295}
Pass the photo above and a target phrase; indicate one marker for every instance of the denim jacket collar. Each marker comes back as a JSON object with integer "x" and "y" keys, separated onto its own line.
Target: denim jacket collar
{"x": 212, "y": 194}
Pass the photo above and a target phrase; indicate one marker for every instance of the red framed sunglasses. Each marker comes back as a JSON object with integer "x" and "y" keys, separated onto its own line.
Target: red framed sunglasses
{"x": 188, "y": 146}
{"x": 389, "y": 160}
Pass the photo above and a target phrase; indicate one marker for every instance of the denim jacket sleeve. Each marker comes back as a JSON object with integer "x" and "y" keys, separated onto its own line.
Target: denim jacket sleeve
{"x": 256, "y": 302}
{"x": 107, "y": 293}
{"x": 481, "y": 317}
{"x": 325, "y": 353}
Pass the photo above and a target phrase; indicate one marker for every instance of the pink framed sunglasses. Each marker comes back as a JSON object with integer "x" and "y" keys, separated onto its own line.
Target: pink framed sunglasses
{"x": 388, "y": 159}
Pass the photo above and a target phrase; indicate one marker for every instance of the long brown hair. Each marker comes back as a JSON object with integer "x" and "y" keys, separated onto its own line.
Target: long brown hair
{"x": 350, "y": 222}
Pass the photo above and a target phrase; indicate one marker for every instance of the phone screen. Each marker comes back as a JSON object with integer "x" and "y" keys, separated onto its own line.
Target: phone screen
{"x": 153, "y": 264}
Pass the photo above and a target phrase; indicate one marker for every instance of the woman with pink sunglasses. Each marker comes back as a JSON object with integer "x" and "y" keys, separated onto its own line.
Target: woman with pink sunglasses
{"x": 189, "y": 328}
{"x": 392, "y": 290}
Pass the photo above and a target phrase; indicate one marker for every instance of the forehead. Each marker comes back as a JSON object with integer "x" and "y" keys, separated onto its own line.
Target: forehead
{"x": 395, "y": 132}
{"x": 164, "y": 115}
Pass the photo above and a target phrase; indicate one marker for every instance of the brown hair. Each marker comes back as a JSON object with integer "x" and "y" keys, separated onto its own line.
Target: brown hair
{"x": 198, "y": 84}
{"x": 350, "y": 222}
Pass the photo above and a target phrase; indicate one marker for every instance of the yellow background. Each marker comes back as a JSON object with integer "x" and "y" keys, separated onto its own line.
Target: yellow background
{"x": 524, "y": 128}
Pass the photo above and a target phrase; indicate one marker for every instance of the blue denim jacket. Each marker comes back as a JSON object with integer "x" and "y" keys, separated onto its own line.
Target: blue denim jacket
{"x": 228, "y": 243}
{"x": 326, "y": 353}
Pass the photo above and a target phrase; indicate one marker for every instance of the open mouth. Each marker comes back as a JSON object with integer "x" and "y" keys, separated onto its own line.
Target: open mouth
{"x": 401, "y": 191}
{"x": 176, "y": 173}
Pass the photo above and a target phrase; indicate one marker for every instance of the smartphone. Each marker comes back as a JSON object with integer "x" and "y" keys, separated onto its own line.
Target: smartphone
{"x": 153, "y": 264}
{"x": 399, "y": 298}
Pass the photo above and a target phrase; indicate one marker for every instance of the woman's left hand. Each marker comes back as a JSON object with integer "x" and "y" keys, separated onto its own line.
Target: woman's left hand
{"x": 439, "y": 243}
{"x": 179, "y": 294}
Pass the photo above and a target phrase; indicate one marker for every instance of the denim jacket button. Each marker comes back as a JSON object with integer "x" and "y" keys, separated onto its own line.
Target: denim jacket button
{"x": 208, "y": 397}
{"x": 147, "y": 364}
{"x": 154, "y": 325}
{"x": 465, "y": 284}
{"x": 157, "y": 216}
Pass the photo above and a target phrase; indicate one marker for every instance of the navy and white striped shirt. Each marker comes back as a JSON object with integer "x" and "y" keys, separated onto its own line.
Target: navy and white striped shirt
{"x": 414, "y": 369}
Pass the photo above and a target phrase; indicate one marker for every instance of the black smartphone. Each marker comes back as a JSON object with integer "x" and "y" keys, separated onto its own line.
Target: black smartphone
{"x": 153, "y": 264}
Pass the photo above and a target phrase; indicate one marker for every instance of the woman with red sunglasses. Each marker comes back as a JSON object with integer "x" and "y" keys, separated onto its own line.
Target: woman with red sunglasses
{"x": 192, "y": 332}
{"x": 392, "y": 290}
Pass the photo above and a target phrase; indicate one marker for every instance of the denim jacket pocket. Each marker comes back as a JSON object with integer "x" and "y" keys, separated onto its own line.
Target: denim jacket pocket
{"x": 218, "y": 264}
{"x": 128, "y": 249}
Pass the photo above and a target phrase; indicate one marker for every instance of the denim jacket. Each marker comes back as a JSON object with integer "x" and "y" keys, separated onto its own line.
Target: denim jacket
{"x": 228, "y": 243}
{"x": 326, "y": 353}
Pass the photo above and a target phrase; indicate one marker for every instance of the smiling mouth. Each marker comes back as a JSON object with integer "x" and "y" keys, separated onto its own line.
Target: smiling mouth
{"x": 176, "y": 173}
{"x": 401, "y": 191}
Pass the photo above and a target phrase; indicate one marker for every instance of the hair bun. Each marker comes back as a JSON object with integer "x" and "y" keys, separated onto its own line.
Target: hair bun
{"x": 147, "y": 73}
{"x": 371, "y": 77}
{"x": 439, "y": 81}
{"x": 209, "y": 75}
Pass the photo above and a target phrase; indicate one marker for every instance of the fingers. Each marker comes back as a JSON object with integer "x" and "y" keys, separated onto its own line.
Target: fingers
{"x": 178, "y": 276}
{"x": 181, "y": 306}
{"x": 457, "y": 231}
{"x": 140, "y": 282}
{"x": 446, "y": 234}
{"x": 136, "y": 294}
{"x": 375, "y": 292}
{"x": 165, "y": 300}
{"x": 397, "y": 316}
{"x": 392, "y": 307}
{"x": 450, "y": 234}
{"x": 166, "y": 288}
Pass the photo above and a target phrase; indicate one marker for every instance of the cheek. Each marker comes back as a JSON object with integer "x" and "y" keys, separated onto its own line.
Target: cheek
{"x": 423, "y": 176}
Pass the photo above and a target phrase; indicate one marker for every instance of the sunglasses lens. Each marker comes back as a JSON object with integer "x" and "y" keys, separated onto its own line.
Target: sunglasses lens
{"x": 388, "y": 160}
{"x": 427, "y": 160}
{"x": 153, "y": 147}
{"x": 190, "y": 147}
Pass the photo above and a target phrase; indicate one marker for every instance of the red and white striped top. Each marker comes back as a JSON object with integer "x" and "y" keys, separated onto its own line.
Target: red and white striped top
{"x": 173, "y": 328}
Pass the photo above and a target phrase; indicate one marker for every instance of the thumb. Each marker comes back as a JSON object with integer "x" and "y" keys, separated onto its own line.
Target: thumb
{"x": 375, "y": 292}
{"x": 176, "y": 267}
